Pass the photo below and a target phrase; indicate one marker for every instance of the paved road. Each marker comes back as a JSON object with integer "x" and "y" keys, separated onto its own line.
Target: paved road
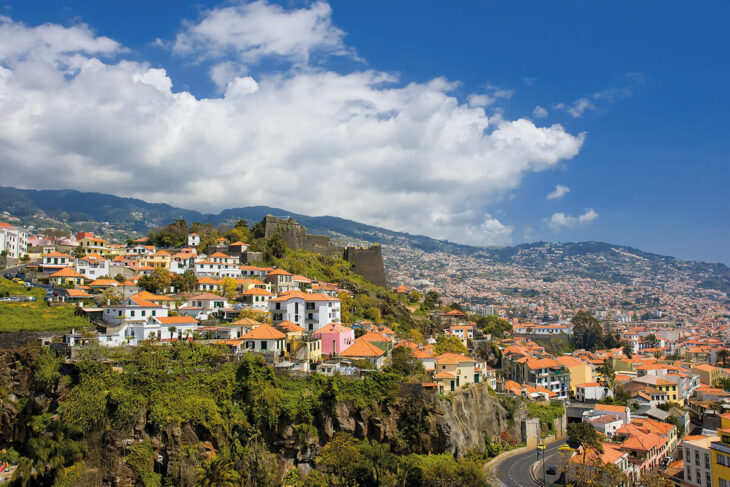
{"x": 515, "y": 471}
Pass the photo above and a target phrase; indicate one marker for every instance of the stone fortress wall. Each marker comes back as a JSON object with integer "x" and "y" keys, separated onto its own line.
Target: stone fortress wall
{"x": 366, "y": 261}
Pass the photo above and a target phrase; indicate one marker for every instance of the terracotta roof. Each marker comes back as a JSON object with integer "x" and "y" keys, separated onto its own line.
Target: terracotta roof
{"x": 453, "y": 358}
{"x": 57, "y": 254}
{"x": 206, "y": 297}
{"x": 176, "y": 320}
{"x": 333, "y": 328}
{"x": 77, "y": 293}
{"x": 289, "y": 327}
{"x": 362, "y": 349}
{"x": 255, "y": 291}
{"x": 443, "y": 375}
{"x": 542, "y": 363}
{"x": 151, "y": 297}
{"x": 67, "y": 272}
{"x": 104, "y": 282}
{"x": 246, "y": 322}
{"x": 588, "y": 384}
{"x": 220, "y": 255}
{"x": 375, "y": 336}
{"x": 264, "y": 332}
{"x": 286, "y": 296}
{"x": 610, "y": 407}
{"x": 279, "y": 272}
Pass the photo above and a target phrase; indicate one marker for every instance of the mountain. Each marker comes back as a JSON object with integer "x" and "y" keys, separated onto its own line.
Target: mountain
{"x": 108, "y": 214}
{"x": 75, "y": 208}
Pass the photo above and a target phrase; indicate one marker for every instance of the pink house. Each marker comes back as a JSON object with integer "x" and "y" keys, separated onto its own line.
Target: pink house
{"x": 335, "y": 337}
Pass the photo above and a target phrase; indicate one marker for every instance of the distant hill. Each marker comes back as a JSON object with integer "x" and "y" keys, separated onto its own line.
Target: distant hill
{"x": 599, "y": 260}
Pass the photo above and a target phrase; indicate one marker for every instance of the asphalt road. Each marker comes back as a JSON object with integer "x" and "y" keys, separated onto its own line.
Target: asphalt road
{"x": 515, "y": 471}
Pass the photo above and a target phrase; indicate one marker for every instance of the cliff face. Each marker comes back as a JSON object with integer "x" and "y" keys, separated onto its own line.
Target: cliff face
{"x": 416, "y": 422}
{"x": 472, "y": 416}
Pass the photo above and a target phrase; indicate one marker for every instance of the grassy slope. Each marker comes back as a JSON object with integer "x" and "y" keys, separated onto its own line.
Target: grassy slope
{"x": 35, "y": 316}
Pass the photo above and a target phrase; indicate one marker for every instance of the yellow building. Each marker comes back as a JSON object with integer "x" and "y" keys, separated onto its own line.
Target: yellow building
{"x": 708, "y": 374}
{"x": 67, "y": 277}
{"x": 158, "y": 260}
{"x": 580, "y": 371}
{"x": 91, "y": 245}
{"x": 721, "y": 454}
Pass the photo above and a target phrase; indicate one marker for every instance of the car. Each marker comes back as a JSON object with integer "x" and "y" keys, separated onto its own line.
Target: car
{"x": 551, "y": 470}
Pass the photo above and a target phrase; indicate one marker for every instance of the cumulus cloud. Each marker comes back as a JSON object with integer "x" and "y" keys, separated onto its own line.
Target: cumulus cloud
{"x": 558, "y": 192}
{"x": 361, "y": 145}
{"x": 559, "y": 221}
{"x": 540, "y": 112}
{"x": 579, "y": 106}
{"x": 252, "y": 31}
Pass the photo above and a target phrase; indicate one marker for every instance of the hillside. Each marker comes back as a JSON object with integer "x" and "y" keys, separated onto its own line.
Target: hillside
{"x": 117, "y": 217}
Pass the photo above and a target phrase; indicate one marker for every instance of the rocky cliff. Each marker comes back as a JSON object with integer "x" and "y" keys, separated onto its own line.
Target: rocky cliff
{"x": 417, "y": 421}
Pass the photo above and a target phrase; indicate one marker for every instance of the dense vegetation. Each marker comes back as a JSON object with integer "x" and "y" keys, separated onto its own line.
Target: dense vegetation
{"x": 34, "y": 316}
{"x": 238, "y": 407}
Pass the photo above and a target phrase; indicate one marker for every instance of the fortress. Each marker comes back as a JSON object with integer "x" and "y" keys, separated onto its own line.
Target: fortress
{"x": 366, "y": 261}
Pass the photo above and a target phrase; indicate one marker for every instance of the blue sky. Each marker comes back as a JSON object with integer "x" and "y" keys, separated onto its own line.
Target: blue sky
{"x": 639, "y": 92}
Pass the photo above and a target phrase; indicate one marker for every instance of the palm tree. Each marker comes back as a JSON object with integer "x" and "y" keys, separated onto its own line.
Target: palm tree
{"x": 219, "y": 473}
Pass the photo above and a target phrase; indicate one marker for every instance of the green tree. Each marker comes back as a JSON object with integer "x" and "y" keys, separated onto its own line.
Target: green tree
{"x": 449, "y": 344}
{"x": 275, "y": 248}
{"x": 404, "y": 363}
{"x": 219, "y": 472}
{"x": 607, "y": 376}
{"x": 120, "y": 278}
{"x": 584, "y": 435}
{"x": 652, "y": 340}
{"x": 587, "y": 332}
{"x": 111, "y": 296}
{"x": 228, "y": 289}
{"x": 343, "y": 459}
{"x": 414, "y": 296}
{"x": 493, "y": 325}
{"x": 431, "y": 300}
{"x": 158, "y": 280}
{"x": 185, "y": 282}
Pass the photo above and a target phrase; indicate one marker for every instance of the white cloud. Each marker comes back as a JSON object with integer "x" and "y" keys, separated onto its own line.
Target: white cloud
{"x": 360, "y": 145}
{"x": 540, "y": 112}
{"x": 558, "y": 192}
{"x": 252, "y": 31}
{"x": 559, "y": 221}
{"x": 579, "y": 106}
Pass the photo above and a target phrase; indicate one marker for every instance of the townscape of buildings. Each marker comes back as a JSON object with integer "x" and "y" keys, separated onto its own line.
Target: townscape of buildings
{"x": 540, "y": 283}
{"x": 669, "y": 371}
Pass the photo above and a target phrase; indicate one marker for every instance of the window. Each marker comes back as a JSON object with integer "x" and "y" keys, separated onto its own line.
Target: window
{"x": 708, "y": 480}
{"x": 131, "y": 313}
{"x": 707, "y": 460}
{"x": 697, "y": 457}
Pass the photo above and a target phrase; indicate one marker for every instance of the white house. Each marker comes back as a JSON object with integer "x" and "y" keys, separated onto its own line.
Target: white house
{"x": 92, "y": 266}
{"x": 193, "y": 240}
{"x": 265, "y": 339}
{"x": 55, "y": 261}
{"x": 256, "y": 298}
{"x": 182, "y": 262}
{"x": 161, "y": 328}
{"x": 203, "y": 305}
{"x": 132, "y": 310}
{"x": 590, "y": 392}
{"x": 13, "y": 240}
{"x": 607, "y": 424}
{"x": 311, "y": 311}
{"x": 211, "y": 268}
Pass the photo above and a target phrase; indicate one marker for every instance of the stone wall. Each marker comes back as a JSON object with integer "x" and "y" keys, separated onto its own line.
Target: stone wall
{"x": 368, "y": 262}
